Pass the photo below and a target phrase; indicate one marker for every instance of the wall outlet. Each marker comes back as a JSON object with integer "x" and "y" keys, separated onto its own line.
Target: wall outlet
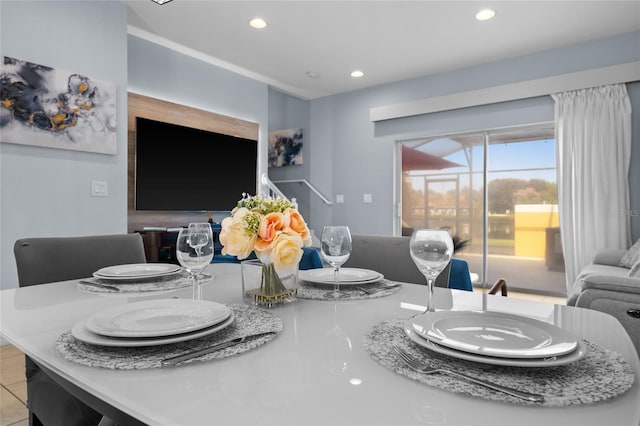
{"x": 368, "y": 198}
{"x": 99, "y": 188}
{"x": 339, "y": 198}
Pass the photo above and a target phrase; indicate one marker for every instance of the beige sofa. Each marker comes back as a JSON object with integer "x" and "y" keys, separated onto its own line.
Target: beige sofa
{"x": 607, "y": 287}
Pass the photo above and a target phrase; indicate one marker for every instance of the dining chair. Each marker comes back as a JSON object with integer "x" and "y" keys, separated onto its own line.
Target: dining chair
{"x": 456, "y": 276}
{"x": 388, "y": 255}
{"x": 50, "y": 259}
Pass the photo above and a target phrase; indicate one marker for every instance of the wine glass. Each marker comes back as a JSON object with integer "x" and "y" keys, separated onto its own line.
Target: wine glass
{"x": 336, "y": 248}
{"x": 431, "y": 251}
{"x": 194, "y": 250}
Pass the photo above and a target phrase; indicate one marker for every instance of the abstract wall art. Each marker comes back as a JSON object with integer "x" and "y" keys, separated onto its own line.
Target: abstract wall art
{"x": 51, "y": 108}
{"x": 285, "y": 148}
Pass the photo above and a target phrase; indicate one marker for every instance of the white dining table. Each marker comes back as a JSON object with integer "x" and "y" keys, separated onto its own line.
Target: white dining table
{"x": 315, "y": 372}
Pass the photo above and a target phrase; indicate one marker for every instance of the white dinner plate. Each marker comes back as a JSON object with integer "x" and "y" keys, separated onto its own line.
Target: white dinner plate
{"x": 576, "y": 355}
{"x": 494, "y": 334}
{"x": 137, "y": 270}
{"x": 80, "y": 332}
{"x": 348, "y": 276}
{"x": 157, "y": 317}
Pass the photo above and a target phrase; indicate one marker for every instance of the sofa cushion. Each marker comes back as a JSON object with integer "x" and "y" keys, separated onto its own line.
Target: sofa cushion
{"x": 635, "y": 270}
{"x": 596, "y": 268}
{"x": 596, "y": 273}
{"x": 631, "y": 257}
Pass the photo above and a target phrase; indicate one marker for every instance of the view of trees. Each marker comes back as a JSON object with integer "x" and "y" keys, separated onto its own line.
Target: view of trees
{"x": 504, "y": 194}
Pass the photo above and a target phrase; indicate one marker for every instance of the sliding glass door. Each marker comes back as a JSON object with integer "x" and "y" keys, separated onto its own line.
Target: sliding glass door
{"x": 496, "y": 191}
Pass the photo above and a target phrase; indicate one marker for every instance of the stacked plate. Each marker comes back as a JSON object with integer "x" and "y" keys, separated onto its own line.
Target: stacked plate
{"x": 153, "y": 322}
{"x": 137, "y": 271}
{"x": 347, "y": 276}
{"x": 495, "y": 338}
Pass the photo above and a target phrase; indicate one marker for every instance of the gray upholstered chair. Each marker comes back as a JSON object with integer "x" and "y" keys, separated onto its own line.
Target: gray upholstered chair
{"x": 44, "y": 260}
{"x": 388, "y": 255}
{"x": 606, "y": 286}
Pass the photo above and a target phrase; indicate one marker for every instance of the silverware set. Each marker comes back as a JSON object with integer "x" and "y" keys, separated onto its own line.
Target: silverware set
{"x": 377, "y": 289}
{"x": 213, "y": 348}
{"x": 98, "y": 285}
{"x": 420, "y": 367}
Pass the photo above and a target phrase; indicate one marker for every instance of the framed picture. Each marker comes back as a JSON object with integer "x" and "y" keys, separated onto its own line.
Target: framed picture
{"x": 285, "y": 148}
{"x": 52, "y": 108}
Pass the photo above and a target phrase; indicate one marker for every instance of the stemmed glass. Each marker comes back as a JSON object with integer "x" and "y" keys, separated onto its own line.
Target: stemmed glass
{"x": 336, "y": 248}
{"x": 194, "y": 250}
{"x": 431, "y": 251}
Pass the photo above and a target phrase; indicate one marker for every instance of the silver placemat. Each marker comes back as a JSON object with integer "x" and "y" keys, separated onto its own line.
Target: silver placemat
{"x": 313, "y": 291}
{"x": 600, "y": 375}
{"x": 248, "y": 320}
{"x": 170, "y": 282}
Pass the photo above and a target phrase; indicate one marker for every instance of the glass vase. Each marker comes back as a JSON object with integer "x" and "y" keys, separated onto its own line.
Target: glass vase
{"x": 266, "y": 286}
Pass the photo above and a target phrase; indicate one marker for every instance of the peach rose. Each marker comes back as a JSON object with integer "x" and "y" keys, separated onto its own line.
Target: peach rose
{"x": 297, "y": 224}
{"x": 270, "y": 225}
{"x": 234, "y": 237}
{"x": 286, "y": 251}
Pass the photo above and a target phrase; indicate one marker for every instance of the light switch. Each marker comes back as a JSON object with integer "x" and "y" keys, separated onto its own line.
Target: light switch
{"x": 368, "y": 198}
{"x": 339, "y": 198}
{"x": 99, "y": 188}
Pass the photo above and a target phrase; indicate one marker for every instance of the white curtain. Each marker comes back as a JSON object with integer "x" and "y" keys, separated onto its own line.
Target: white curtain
{"x": 593, "y": 133}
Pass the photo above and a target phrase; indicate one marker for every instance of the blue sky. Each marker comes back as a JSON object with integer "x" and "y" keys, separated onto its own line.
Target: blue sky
{"x": 503, "y": 159}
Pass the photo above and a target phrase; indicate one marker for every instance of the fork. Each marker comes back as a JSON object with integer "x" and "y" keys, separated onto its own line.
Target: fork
{"x": 418, "y": 366}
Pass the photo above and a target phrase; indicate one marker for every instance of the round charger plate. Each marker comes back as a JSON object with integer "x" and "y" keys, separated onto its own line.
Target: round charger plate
{"x": 494, "y": 334}
{"x": 137, "y": 270}
{"x": 554, "y": 361}
{"x": 347, "y": 276}
{"x": 82, "y": 333}
{"x": 157, "y": 317}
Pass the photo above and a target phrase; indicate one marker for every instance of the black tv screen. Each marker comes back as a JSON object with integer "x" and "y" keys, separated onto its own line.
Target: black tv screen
{"x": 184, "y": 169}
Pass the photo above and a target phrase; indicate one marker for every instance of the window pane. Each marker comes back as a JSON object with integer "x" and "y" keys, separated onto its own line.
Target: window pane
{"x": 443, "y": 186}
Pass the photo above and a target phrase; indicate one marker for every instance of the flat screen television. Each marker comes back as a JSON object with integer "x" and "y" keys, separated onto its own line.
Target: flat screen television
{"x": 180, "y": 168}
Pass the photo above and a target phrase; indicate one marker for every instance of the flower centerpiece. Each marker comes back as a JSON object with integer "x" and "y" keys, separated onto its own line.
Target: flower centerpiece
{"x": 273, "y": 229}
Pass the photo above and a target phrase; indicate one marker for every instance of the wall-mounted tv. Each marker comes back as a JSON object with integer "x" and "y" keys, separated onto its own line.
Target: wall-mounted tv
{"x": 184, "y": 169}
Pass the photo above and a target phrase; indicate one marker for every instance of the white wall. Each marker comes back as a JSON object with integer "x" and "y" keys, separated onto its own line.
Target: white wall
{"x": 162, "y": 73}
{"x": 357, "y": 155}
{"x": 289, "y": 112}
{"x": 46, "y": 192}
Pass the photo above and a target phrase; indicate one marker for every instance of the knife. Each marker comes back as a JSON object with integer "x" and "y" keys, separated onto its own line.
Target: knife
{"x": 97, "y": 285}
{"x": 194, "y": 354}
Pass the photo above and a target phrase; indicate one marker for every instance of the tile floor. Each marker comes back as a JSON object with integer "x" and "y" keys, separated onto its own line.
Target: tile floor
{"x": 13, "y": 396}
{"x": 13, "y": 411}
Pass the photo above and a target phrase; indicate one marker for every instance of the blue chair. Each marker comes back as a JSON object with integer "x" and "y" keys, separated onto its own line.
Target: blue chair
{"x": 310, "y": 259}
{"x": 459, "y": 276}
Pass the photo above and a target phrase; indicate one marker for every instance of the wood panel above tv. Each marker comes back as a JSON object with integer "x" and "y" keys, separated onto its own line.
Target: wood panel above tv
{"x": 169, "y": 112}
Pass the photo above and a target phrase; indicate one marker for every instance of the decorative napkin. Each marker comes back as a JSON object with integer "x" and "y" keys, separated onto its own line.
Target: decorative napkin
{"x": 315, "y": 291}
{"x": 141, "y": 285}
{"x": 602, "y": 374}
{"x": 248, "y": 320}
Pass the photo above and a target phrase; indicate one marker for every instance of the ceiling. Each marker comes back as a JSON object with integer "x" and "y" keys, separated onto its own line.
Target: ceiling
{"x": 388, "y": 40}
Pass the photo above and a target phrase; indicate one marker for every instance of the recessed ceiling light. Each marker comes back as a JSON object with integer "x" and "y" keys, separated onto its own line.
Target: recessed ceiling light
{"x": 485, "y": 14}
{"x": 357, "y": 74}
{"x": 161, "y": 1}
{"x": 258, "y": 23}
